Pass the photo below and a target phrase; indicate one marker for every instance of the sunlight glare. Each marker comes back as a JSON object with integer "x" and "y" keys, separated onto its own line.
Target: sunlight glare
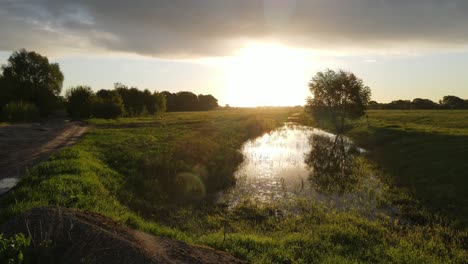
{"x": 268, "y": 75}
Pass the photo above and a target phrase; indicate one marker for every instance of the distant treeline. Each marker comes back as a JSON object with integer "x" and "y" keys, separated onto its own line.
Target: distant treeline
{"x": 447, "y": 102}
{"x": 82, "y": 102}
{"x": 30, "y": 88}
{"x": 188, "y": 101}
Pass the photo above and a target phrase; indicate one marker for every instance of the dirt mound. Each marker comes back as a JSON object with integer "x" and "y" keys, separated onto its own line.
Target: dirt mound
{"x": 83, "y": 237}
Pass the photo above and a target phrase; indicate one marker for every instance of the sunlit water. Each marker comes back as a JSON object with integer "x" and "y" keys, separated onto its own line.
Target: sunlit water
{"x": 274, "y": 171}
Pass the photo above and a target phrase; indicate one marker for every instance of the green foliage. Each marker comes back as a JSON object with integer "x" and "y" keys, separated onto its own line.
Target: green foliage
{"x": 188, "y": 101}
{"x": 453, "y": 102}
{"x": 139, "y": 102}
{"x": 336, "y": 96}
{"x": 30, "y": 77}
{"x": 448, "y": 102}
{"x": 419, "y": 103}
{"x": 133, "y": 99}
{"x": 6, "y": 94}
{"x": 80, "y": 101}
{"x": 108, "y": 104}
{"x": 160, "y": 102}
{"x": 20, "y": 111}
{"x": 400, "y": 104}
{"x": 12, "y": 250}
{"x": 207, "y": 102}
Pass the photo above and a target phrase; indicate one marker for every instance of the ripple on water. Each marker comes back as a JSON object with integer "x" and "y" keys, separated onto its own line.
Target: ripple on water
{"x": 274, "y": 170}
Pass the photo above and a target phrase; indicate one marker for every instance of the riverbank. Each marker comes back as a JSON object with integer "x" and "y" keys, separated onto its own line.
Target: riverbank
{"x": 423, "y": 153}
{"x": 116, "y": 171}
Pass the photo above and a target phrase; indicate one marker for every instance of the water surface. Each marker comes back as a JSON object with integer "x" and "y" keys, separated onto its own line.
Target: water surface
{"x": 274, "y": 170}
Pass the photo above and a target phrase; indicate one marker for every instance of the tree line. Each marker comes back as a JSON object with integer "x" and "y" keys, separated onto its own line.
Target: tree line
{"x": 188, "y": 101}
{"x": 83, "y": 102}
{"x": 31, "y": 86}
{"x": 447, "y": 102}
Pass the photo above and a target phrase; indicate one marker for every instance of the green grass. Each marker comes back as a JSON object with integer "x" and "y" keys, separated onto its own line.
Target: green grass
{"x": 424, "y": 153}
{"x": 124, "y": 169}
{"x": 137, "y": 160}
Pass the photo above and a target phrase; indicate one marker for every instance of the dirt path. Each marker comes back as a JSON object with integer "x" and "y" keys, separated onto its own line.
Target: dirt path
{"x": 24, "y": 145}
{"x": 85, "y": 237}
{"x": 166, "y": 250}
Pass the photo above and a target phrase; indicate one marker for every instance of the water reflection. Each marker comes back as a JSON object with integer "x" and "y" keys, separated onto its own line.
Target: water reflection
{"x": 297, "y": 162}
{"x": 334, "y": 164}
{"x": 273, "y": 166}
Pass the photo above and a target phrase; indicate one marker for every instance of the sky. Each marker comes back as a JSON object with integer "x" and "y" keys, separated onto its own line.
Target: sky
{"x": 247, "y": 52}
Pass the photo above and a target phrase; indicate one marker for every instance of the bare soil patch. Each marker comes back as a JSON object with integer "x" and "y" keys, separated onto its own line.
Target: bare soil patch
{"x": 83, "y": 237}
{"x": 23, "y": 145}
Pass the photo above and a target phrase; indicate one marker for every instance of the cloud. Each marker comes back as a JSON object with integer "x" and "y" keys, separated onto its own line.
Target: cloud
{"x": 180, "y": 28}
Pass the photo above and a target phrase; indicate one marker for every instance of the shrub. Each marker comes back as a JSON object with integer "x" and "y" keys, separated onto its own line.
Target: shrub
{"x": 160, "y": 102}
{"x": 80, "y": 101}
{"x": 20, "y": 111}
{"x": 12, "y": 249}
{"x": 108, "y": 104}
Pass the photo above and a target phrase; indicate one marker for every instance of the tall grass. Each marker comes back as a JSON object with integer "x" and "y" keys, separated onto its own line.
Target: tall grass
{"x": 20, "y": 111}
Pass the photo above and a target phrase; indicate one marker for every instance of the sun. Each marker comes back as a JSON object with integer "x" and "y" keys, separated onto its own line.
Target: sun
{"x": 268, "y": 75}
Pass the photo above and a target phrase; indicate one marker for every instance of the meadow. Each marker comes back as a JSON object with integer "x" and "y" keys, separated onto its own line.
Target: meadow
{"x": 157, "y": 174}
{"x": 425, "y": 153}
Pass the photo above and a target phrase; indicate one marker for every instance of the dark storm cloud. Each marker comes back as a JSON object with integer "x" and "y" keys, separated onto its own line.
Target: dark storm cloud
{"x": 216, "y": 27}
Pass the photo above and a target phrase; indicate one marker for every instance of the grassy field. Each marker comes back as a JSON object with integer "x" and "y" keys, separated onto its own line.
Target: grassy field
{"x": 157, "y": 174}
{"x": 148, "y": 162}
{"x": 425, "y": 153}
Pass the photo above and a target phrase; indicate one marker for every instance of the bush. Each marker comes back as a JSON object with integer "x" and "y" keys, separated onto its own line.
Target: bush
{"x": 12, "y": 249}
{"x": 108, "y": 104}
{"x": 20, "y": 111}
{"x": 160, "y": 102}
{"x": 80, "y": 101}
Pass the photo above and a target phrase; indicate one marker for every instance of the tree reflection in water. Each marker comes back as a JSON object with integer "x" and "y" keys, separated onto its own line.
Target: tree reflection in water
{"x": 335, "y": 167}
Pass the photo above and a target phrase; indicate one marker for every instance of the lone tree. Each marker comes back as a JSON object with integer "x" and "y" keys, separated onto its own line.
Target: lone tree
{"x": 337, "y": 96}
{"x": 30, "y": 77}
